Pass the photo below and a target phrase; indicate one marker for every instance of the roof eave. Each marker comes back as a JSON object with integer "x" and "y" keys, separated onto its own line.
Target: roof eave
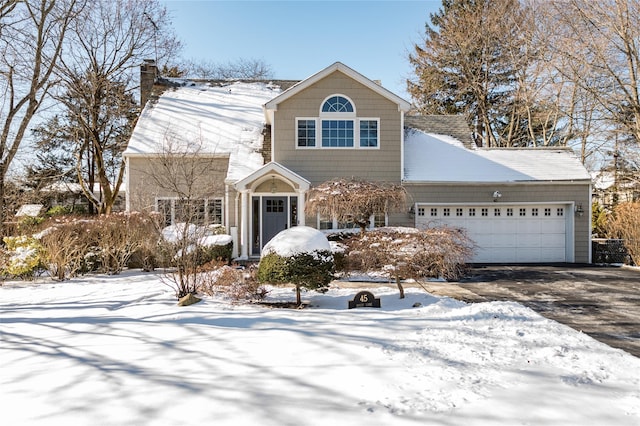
{"x": 403, "y": 105}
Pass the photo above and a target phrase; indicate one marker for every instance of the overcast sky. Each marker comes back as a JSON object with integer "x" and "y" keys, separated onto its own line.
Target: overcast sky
{"x": 299, "y": 38}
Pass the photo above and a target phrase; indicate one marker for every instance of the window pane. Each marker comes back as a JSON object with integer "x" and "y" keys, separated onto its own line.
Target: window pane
{"x": 164, "y": 208}
{"x": 306, "y": 133}
{"x": 368, "y": 133}
{"x": 337, "y": 133}
{"x": 214, "y": 212}
{"x": 190, "y": 211}
{"x": 337, "y": 104}
{"x": 380, "y": 220}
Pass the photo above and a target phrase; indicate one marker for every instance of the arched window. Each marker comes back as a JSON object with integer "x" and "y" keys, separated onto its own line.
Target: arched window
{"x": 337, "y": 126}
{"x": 337, "y": 104}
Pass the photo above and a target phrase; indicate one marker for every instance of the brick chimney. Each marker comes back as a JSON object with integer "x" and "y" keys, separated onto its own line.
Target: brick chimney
{"x": 148, "y": 76}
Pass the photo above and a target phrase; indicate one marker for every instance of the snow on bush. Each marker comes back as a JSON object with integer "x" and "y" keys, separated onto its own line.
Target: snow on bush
{"x": 297, "y": 240}
{"x": 24, "y": 256}
{"x": 300, "y": 255}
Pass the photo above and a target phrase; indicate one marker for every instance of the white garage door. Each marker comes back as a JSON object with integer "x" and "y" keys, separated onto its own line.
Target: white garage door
{"x": 505, "y": 233}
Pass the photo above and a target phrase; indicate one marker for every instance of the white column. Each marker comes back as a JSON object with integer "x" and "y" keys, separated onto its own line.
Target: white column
{"x": 301, "y": 212}
{"x": 244, "y": 216}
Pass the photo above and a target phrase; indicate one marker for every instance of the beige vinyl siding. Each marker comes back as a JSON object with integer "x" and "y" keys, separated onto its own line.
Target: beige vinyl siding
{"x": 321, "y": 164}
{"x": 146, "y": 176}
{"x": 511, "y": 194}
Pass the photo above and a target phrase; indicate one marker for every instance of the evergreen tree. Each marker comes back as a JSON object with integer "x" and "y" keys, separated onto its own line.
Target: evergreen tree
{"x": 473, "y": 57}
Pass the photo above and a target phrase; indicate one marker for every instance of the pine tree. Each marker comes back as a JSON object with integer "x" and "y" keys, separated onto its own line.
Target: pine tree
{"x": 471, "y": 61}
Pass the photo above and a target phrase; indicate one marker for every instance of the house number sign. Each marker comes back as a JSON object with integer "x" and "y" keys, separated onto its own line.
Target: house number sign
{"x": 364, "y": 299}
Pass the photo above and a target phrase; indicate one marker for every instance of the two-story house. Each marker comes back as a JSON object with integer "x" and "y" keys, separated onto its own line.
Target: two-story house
{"x": 257, "y": 147}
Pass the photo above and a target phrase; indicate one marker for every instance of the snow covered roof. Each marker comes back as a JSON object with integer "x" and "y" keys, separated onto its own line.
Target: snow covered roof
{"x": 210, "y": 119}
{"x": 438, "y": 158}
{"x": 455, "y": 126}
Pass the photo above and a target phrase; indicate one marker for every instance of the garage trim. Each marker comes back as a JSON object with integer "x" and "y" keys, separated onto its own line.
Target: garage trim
{"x": 423, "y": 219}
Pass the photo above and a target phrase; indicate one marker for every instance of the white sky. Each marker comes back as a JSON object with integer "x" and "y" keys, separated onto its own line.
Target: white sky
{"x": 300, "y": 38}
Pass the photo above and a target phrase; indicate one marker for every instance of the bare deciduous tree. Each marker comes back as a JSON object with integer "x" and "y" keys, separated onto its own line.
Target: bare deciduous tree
{"x": 183, "y": 176}
{"x": 33, "y": 35}
{"x": 599, "y": 41}
{"x": 108, "y": 44}
{"x": 251, "y": 69}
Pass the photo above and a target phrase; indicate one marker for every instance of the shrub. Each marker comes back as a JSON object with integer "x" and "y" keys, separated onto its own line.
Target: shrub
{"x": 313, "y": 270}
{"x": 66, "y": 247}
{"x": 23, "y": 256}
{"x": 599, "y": 218}
{"x": 187, "y": 247}
{"x": 409, "y": 253}
{"x": 119, "y": 235}
{"x": 299, "y": 255}
{"x": 237, "y": 283}
{"x": 29, "y": 223}
{"x": 624, "y": 223}
{"x": 59, "y": 211}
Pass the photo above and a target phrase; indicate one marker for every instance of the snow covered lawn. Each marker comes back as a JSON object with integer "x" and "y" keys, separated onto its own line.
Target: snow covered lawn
{"x": 118, "y": 351}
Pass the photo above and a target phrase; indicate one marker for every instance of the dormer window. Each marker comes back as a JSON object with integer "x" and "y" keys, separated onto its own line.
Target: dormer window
{"x": 337, "y": 126}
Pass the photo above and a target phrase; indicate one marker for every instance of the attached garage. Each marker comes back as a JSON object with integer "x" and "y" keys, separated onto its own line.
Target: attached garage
{"x": 515, "y": 233}
{"x": 518, "y": 205}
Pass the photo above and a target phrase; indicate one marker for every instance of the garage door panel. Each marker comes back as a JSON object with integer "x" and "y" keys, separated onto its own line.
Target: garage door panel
{"x": 552, "y": 240}
{"x": 524, "y": 255}
{"x": 482, "y": 240}
{"x": 504, "y": 240}
{"x": 554, "y": 226}
{"x": 552, "y": 254}
{"x": 540, "y": 236}
{"x": 528, "y": 240}
{"x": 503, "y": 226}
{"x": 529, "y": 226}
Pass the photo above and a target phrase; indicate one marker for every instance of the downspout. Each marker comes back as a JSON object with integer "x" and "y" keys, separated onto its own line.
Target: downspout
{"x": 127, "y": 188}
{"x": 402, "y": 132}
{"x": 226, "y": 207}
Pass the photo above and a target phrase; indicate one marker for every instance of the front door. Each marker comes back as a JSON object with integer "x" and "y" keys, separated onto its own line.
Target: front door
{"x": 274, "y": 217}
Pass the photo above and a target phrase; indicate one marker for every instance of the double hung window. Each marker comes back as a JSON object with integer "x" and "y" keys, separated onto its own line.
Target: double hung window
{"x": 337, "y": 126}
{"x": 197, "y": 211}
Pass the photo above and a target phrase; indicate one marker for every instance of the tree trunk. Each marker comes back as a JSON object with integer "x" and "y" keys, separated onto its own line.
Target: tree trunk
{"x": 3, "y": 204}
{"x": 298, "y": 297}
{"x": 399, "y": 284}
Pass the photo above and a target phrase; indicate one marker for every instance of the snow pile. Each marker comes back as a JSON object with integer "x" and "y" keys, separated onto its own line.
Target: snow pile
{"x": 204, "y": 236}
{"x": 297, "y": 240}
{"x": 116, "y": 350}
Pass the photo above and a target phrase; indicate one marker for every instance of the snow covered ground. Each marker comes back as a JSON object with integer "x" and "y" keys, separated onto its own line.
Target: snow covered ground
{"x": 118, "y": 351}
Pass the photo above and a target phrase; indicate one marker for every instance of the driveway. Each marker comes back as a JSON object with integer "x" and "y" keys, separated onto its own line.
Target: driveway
{"x": 603, "y": 302}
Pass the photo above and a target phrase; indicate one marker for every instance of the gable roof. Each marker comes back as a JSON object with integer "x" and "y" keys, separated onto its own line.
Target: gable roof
{"x": 439, "y": 158}
{"x": 455, "y": 126}
{"x": 268, "y": 169}
{"x": 223, "y": 119}
{"x": 338, "y": 66}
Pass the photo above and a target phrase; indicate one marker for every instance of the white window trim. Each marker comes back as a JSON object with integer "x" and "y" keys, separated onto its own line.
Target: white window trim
{"x": 335, "y": 223}
{"x": 338, "y": 116}
{"x": 206, "y": 210}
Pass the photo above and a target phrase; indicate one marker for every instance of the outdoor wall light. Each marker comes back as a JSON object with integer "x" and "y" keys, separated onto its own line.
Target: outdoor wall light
{"x": 579, "y": 210}
{"x": 274, "y": 187}
{"x": 496, "y": 195}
